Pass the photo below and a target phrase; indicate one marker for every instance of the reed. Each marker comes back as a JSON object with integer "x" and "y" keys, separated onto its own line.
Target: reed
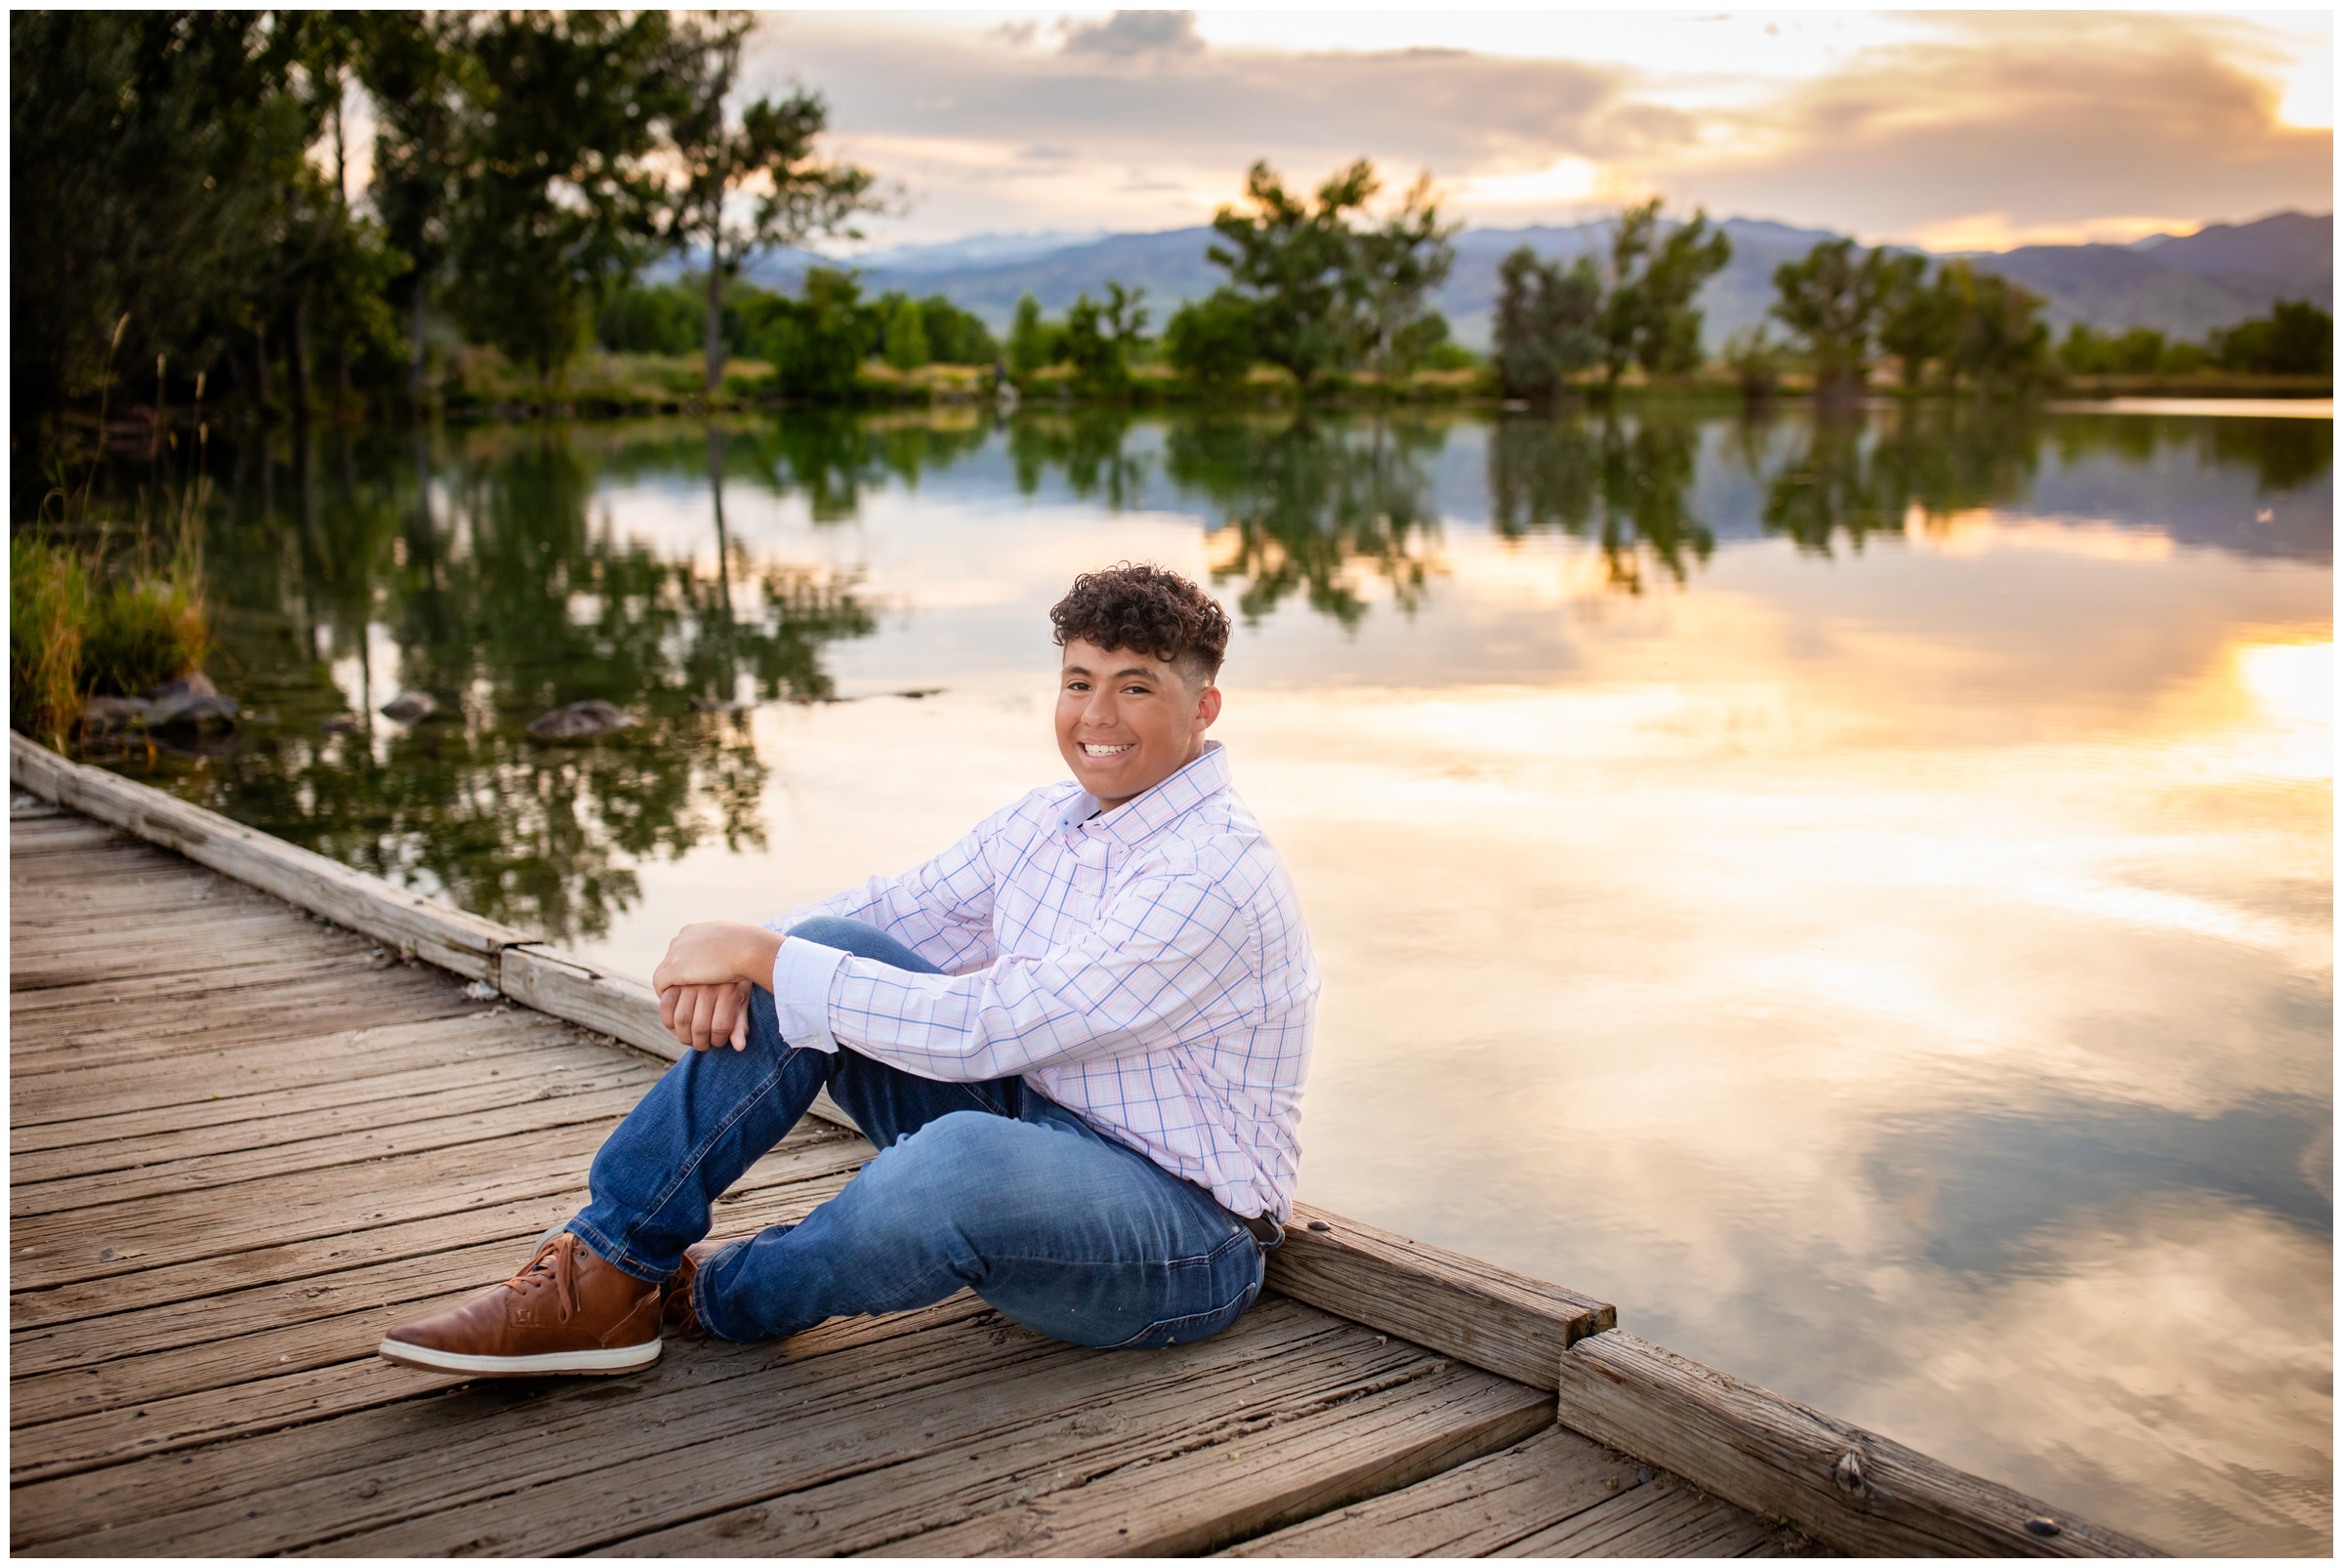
{"x": 48, "y": 611}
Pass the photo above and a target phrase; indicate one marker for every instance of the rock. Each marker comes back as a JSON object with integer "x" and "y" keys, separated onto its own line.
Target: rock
{"x": 915, "y": 693}
{"x": 196, "y": 684}
{"x": 103, "y": 715}
{"x": 409, "y": 706}
{"x": 580, "y": 720}
{"x": 710, "y": 705}
{"x": 339, "y": 725}
{"x": 191, "y": 710}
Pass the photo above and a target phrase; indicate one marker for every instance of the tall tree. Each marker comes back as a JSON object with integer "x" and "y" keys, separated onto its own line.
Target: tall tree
{"x": 1032, "y": 343}
{"x": 563, "y": 194}
{"x": 1099, "y": 338}
{"x": 2002, "y": 345}
{"x": 1400, "y": 265}
{"x": 421, "y": 73}
{"x": 1919, "y": 317}
{"x": 151, "y": 154}
{"x": 769, "y": 150}
{"x": 1547, "y": 320}
{"x": 1656, "y": 270}
{"x": 1832, "y": 298}
{"x": 1295, "y": 260}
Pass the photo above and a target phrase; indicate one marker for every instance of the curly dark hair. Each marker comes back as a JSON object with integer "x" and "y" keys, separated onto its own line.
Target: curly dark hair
{"x": 1148, "y": 610}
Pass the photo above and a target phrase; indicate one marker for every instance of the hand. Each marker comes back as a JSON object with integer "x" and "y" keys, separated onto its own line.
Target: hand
{"x": 701, "y": 1015}
{"x": 703, "y": 981}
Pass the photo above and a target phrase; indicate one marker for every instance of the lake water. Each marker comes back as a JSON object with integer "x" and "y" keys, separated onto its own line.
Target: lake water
{"x": 1858, "y": 895}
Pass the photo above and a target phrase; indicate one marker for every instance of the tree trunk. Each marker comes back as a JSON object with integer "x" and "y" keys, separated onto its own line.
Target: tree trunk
{"x": 297, "y": 359}
{"x": 260, "y": 365}
{"x": 712, "y": 333}
{"x": 342, "y": 375}
{"x": 415, "y": 360}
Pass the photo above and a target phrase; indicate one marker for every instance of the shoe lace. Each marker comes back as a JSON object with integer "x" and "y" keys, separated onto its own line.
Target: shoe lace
{"x": 555, "y": 1264}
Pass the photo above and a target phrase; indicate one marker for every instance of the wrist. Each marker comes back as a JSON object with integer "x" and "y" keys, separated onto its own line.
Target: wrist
{"x": 758, "y": 949}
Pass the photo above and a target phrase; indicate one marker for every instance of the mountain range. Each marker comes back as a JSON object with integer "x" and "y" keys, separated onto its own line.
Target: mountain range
{"x": 2184, "y": 285}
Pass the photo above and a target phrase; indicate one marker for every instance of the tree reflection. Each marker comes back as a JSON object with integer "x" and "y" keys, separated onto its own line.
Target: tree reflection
{"x": 488, "y": 575}
{"x": 1306, "y": 506}
{"x": 1622, "y": 484}
{"x": 1855, "y": 480}
{"x": 1086, "y": 446}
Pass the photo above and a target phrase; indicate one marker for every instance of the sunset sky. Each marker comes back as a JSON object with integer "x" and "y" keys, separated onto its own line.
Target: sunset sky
{"x": 1950, "y": 130}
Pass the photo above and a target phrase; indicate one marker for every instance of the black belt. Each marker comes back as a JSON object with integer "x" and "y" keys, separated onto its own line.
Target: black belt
{"x": 1265, "y": 1230}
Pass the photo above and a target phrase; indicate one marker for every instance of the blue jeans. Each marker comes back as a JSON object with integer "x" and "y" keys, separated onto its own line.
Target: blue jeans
{"x": 988, "y": 1185}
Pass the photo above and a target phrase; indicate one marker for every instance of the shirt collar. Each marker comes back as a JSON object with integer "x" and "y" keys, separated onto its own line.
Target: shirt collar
{"x": 1199, "y": 781}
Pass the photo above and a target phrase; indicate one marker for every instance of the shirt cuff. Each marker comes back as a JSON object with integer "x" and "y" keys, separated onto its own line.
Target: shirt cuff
{"x": 802, "y": 972}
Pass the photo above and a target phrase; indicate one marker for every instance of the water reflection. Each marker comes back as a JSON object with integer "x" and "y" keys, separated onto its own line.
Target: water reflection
{"x": 1977, "y": 1186}
{"x": 1625, "y": 484}
{"x": 484, "y": 578}
{"x": 1304, "y": 506}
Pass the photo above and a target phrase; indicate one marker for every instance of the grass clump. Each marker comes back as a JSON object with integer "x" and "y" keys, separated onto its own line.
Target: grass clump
{"x": 75, "y": 631}
{"x": 48, "y": 613}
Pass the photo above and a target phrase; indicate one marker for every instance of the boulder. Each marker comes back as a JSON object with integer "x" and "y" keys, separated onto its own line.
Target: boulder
{"x": 195, "y": 685}
{"x": 409, "y": 706}
{"x": 580, "y": 720}
{"x": 191, "y": 710}
{"x": 103, "y": 715}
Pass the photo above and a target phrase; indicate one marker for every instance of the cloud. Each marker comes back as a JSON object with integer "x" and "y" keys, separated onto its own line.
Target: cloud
{"x": 1136, "y": 32}
{"x": 2026, "y": 127}
{"x": 2007, "y": 125}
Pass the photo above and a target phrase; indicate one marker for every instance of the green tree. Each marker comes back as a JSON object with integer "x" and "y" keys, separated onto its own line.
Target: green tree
{"x": 652, "y": 318}
{"x": 1099, "y": 339}
{"x": 1032, "y": 342}
{"x": 1647, "y": 317}
{"x": 817, "y": 342}
{"x": 1999, "y": 344}
{"x": 1546, "y": 319}
{"x": 1295, "y": 260}
{"x": 906, "y": 333}
{"x": 957, "y": 337}
{"x": 1832, "y": 298}
{"x": 2295, "y": 339}
{"x": 1209, "y": 340}
{"x": 150, "y": 157}
{"x": 1399, "y": 266}
{"x": 770, "y": 149}
{"x": 1919, "y": 322}
{"x": 420, "y": 73}
{"x": 563, "y": 193}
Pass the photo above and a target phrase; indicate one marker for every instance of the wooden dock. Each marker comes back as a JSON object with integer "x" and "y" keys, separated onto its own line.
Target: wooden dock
{"x": 246, "y": 1138}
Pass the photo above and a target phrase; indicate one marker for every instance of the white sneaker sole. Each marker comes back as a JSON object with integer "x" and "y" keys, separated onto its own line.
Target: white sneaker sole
{"x": 587, "y": 1363}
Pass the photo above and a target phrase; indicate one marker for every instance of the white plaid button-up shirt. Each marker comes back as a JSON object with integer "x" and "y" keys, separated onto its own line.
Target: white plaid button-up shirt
{"x": 1147, "y": 968}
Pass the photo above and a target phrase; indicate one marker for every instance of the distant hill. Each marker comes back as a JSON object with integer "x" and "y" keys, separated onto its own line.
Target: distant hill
{"x": 2183, "y": 284}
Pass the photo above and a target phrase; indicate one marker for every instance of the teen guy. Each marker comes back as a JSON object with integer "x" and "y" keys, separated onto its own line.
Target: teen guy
{"x": 1077, "y": 1038}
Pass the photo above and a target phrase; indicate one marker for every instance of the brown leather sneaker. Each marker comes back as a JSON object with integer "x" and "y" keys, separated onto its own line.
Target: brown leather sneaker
{"x": 680, "y": 1312}
{"x": 568, "y": 1312}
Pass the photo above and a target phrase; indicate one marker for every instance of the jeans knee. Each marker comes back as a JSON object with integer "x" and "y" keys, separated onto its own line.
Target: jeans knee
{"x": 860, "y": 939}
{"x": 957, "y": 1156}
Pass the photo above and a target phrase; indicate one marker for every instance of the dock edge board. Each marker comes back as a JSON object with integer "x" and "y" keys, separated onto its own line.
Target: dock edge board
{"x": 1841, "y": 1485}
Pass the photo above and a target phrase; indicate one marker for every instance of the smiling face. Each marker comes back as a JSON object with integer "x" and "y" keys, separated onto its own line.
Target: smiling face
{"x": 1126, "y": 722}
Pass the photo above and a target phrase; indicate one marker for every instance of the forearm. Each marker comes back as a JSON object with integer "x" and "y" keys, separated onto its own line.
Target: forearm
{"x": 719, "y": 952}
